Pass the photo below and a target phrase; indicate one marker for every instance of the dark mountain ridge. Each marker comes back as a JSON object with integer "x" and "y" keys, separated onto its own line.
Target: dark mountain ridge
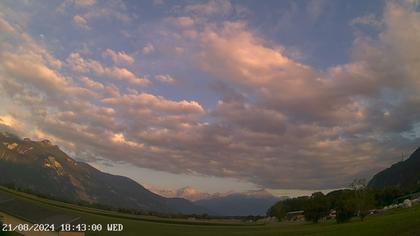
{"x": 42, "y": 167}
{"x": 404, "y": 175}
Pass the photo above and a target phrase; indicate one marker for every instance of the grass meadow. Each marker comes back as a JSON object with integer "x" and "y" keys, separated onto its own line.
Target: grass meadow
{"x": 395, "y": 222}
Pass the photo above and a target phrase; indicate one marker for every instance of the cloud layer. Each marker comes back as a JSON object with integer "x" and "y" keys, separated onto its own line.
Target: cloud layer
{"x": 277, "y": 122}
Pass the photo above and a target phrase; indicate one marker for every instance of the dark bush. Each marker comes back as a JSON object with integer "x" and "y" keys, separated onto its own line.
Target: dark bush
{"x": 316, "y": 207}
{"x": 345, "y": 209}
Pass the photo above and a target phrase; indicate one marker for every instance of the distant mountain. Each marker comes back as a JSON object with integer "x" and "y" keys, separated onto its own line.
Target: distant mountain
{"x": 240, "y": 204}
{"x": 42, "y": 167}
{"x": 254, "y": 202}
{"x": 404, "y": 174}
{"x": 187, "y": 192}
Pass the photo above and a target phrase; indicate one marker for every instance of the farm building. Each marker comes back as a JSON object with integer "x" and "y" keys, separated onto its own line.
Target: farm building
{"x": 295, "y": 216}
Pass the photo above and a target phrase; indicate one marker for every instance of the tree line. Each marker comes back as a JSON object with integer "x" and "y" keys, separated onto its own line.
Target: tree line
{"x": 357, "y": 200}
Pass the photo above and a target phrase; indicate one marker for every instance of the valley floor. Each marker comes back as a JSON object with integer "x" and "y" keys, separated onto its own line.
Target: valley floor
{"x": 396, "y": 222}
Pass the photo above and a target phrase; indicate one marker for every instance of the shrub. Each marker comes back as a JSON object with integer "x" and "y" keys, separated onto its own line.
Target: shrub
{"x": 345, "y": 209}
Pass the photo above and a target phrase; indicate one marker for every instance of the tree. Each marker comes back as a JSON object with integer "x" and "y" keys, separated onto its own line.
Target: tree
{"x": 386, "y": 196}
{"x": 277, "y": 211}
{"x": 363, "y": 198}
{"x": 365, "y": 202}
{"x": 345, "y": 208}
{"x": 316, "y": 207}
{"x": 280, "y": 209}
{"x": 358, "y": 184}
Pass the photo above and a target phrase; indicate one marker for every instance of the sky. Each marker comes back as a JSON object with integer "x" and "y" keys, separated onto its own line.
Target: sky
{"x": 219, "y": 95}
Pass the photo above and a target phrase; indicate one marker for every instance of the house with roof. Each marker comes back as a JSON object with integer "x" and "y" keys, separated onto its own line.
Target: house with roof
{"x": 295, "y": 216}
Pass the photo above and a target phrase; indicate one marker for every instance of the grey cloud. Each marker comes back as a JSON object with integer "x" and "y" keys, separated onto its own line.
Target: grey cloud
{"x": 279, "y": 123}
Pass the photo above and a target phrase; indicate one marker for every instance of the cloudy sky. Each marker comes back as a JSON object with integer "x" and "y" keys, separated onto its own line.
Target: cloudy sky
{"x": 219, "y": 95}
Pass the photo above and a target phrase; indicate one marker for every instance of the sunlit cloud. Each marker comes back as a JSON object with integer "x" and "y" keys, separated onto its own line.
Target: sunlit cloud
{"x": 203, "y": 90}
{"x": 119, "y": 57}
{"x": 81, "y": 22}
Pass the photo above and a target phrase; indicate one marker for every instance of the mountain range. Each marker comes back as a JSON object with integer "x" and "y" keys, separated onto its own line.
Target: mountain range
{"x": 240, "y": 204}
{"x": 187, "y": 192}
{"x": 43, "y": 168}
{"x": 253, "y": 202}
{"x": 404, "y": 174}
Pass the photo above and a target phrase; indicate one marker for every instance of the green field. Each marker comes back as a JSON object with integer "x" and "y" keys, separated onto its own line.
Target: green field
{"x": 396, "y": 222}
